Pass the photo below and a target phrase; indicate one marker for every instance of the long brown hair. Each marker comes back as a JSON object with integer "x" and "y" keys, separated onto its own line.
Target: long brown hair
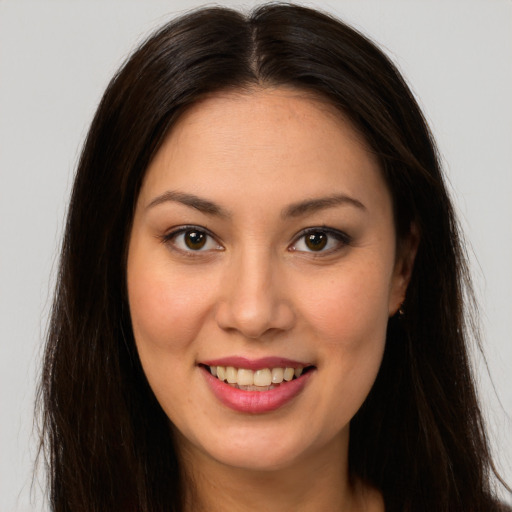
{"x": 419, "y": 436}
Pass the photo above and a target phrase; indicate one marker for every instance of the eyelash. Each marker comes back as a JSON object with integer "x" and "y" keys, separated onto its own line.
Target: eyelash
{"x": 342, "y": 238}
{"x": 170, "y": 239}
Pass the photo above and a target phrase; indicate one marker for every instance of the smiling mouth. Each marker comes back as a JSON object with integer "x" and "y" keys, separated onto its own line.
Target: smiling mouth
{"x": 263, "y": 379}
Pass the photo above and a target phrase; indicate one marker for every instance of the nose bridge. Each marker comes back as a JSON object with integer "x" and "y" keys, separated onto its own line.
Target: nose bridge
{"x": 254, "y": 301}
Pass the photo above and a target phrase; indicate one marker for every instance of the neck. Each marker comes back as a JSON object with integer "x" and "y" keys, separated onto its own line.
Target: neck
{"x": 318, "y": 482}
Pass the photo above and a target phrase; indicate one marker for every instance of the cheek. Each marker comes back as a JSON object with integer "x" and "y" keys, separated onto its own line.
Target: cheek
{"x": 348, "y": 316}
{"x": 167, "y": 308}
{"x": 350, "y": 309}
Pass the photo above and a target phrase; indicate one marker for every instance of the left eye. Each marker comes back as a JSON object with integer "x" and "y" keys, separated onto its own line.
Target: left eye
{"x": 193, "y": 239}
{"x": 320, "y": 240}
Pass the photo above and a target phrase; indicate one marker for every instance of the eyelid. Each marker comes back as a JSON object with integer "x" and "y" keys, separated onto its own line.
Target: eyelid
{"x": 343, "y": 238}
{"x": 173, "y": 233}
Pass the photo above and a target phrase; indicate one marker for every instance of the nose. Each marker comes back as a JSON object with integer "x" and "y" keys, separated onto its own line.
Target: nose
{"x": 254, "y": 298}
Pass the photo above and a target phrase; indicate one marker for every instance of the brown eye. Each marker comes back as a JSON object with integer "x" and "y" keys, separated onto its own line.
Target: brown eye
{"x": 322, "y": 241}
{"x": 195, "y": 240}
{"x": 190, "y": 239}
{"x": 316, "y": 241}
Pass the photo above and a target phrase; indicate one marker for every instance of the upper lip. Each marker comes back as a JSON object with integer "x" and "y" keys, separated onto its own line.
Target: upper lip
{"x": 256, "y": 364}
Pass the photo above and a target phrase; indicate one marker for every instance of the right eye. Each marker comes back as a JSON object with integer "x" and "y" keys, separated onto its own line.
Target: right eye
{"x": 192, "y": 239}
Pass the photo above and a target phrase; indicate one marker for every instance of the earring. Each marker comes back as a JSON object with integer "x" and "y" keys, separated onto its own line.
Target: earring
{"x": 401, "y": 311}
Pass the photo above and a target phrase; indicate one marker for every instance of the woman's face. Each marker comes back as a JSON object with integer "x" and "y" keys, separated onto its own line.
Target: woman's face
{"x": 263, "y": 243}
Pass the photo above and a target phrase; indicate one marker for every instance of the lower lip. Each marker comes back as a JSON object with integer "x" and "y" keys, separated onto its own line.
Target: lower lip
{"x": 256, "y": 402}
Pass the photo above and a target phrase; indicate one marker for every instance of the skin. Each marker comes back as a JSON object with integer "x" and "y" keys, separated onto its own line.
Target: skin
{"x": 256, "y": 289}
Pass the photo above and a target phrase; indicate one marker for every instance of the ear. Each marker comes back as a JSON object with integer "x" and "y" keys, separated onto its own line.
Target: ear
{"x": 404, "y": 264}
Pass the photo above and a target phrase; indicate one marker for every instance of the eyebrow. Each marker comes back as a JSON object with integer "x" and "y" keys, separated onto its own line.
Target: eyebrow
{"x": 191, "y": 200}
{"x": 321, "y": 203}
{"x": 293, "y": 210}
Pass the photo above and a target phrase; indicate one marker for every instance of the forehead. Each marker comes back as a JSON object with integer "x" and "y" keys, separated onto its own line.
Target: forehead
{"x": 256, "y": 115}
{"x": 281, "y": 142}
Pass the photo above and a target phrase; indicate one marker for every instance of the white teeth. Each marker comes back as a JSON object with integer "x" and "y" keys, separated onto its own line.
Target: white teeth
{"x": 288, "y": 374}
{"x": 221, "y": 372}
{"x": 260, "y": 379}
{"x": 231, "y": 374}
{"x": 245, "y": 377}
{"x": 277, "y": 375}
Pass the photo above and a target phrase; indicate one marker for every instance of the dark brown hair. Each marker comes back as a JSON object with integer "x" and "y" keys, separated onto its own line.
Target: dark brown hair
{"x": 419, "y": 437}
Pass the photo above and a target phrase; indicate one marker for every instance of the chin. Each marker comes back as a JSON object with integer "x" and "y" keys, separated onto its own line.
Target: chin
{"x": 267, "y": 451}
{"x": 255, "y": 458}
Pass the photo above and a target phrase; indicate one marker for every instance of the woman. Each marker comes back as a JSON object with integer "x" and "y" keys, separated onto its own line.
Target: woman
{"x": 260, "y": 301}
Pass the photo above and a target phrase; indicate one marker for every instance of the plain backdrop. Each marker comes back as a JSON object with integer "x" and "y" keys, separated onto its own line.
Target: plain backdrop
{"x": 56, "y": 58}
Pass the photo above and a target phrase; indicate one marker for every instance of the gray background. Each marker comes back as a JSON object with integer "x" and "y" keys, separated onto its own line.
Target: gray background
{"x": 55, "y": 61}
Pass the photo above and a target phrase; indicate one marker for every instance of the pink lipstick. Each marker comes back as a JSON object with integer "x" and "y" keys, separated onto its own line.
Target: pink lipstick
{"x": 269, "y": 398}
